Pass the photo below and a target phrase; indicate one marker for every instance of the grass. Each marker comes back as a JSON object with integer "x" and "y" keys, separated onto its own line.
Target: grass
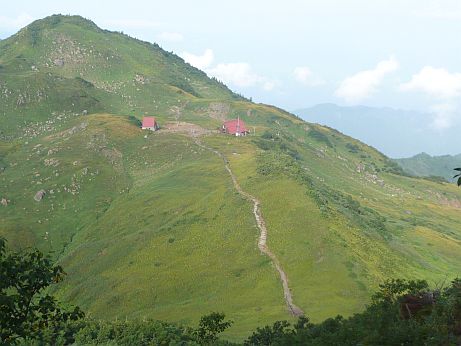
{"x": 161, "y": 224}
{"x": 149, "y": 224}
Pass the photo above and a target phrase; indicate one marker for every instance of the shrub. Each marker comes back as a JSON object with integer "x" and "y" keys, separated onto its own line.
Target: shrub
{"x": 382, "y": 322}
{"x": 26, "y": 311}
{"x": 210, "y": 326}
{"x": 146, "y": 332}
{"x": 319, "y": 137}
{"x": 353, "y": 148}
{"x": 135, "y": 121}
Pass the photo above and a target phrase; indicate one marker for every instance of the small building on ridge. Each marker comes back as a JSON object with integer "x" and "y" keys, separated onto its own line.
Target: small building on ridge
{"x": 149, "y": 123}
{"x": 235, "y": 127}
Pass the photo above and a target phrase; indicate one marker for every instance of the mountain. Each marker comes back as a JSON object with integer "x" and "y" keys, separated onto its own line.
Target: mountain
{"x": 425, "y": 165}
{"x": 68, "y": 64}
{"x": 397, "y": 133}
{"x": 180, "y": 222}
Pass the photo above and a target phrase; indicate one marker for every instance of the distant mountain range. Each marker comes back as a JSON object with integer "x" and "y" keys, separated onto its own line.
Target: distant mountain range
{"x": 426, "y": 165}
{"x": 397, "y": 133}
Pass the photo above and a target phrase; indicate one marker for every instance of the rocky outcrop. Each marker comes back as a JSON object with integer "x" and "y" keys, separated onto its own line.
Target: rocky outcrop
{"x": 39, "y": 195}
{"x": 218, "y": 110}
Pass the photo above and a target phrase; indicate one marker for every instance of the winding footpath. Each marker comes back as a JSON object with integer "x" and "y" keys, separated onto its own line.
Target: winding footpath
{"x": 262, "y": 242}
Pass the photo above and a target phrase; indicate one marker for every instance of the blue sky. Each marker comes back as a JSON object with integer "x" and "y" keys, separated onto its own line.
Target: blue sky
{"x": 294, "y": 54}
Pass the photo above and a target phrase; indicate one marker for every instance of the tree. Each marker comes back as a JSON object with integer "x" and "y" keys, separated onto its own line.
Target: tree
{"x": 458, "y": 176}
{"x": 401, "y": 313}
{"x": 270, "y": 335}
{"x": 210, "y": 326}
{"x": 26, "y": 312}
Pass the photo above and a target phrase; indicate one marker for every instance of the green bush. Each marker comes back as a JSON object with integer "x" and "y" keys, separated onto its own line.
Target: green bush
{"x": 27, "y": 312}
{"x": 210, "y": 326}
{"x": 353, "y": 148}
{"x": 394, "y": 168}
{"x": 135, "y": 121}
{"x": 435, "y": 321}
{"x": 146, "y": 332}
{"x": 269, "y": 141}
{"x": 320, "y": 137}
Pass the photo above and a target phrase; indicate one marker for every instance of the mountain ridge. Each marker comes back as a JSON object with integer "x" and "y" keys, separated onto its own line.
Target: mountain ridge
{"x": 426, "y": 165}
{"x": 149, "y": 224}
{"x": 61, "y": 54}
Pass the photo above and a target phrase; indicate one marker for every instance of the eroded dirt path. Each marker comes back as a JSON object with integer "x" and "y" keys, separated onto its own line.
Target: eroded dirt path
{"x": 262, "y": 242}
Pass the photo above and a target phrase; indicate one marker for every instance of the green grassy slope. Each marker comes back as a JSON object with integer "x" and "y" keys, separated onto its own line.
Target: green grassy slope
{"x": 68, "y": 64}
{"x": 149, "y": 224}
{"x": 425, "y": 165}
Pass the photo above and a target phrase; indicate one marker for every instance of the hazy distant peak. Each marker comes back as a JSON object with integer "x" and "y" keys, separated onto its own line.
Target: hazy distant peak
{"x": 396, "y": 132}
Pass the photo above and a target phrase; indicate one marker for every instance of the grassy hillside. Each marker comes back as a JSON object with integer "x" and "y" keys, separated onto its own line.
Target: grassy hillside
{"x": 425, "y": 165}
{"x": 150, "y": 224}
{"x": 68, "y": 64}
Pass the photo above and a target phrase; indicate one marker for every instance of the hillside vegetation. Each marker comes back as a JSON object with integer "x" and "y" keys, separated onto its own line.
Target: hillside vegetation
{"x": 150, "y": 224}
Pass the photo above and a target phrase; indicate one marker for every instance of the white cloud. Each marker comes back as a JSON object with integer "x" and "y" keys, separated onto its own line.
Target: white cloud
{"x": 445, "y": 114}
{"x": 445, "y": 10}
{"x": 363, "y": 84}
{"x": 304, "y": 75}
{"x": 241, "y": 75}
{"x": 437, "y": 82}
{"x": 200, "y": 61}
{"x": 15, "y": 23}
{"x": 269, "y": 85}
{"x": 441, "y": 85}
{"x": 118, "y": 24}
{"x": 170, "y": 36}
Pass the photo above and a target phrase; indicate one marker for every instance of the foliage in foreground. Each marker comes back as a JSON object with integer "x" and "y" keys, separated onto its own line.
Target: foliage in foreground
{"x": 25, "y": 310}
{"x": 146, "y": 332}
{"x": 401, "y": 313}
{"x": 458, "y": 176}
{"x": 30, "y": 316}
{"x": 150, "y": 332}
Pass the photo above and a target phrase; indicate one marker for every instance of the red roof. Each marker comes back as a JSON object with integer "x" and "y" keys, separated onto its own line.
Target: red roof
{"x": 234, "y": 126}
{"x": 148, "y": 122}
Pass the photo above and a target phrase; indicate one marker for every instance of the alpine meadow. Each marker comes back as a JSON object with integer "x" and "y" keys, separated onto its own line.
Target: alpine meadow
{"x": 291, "y": 219}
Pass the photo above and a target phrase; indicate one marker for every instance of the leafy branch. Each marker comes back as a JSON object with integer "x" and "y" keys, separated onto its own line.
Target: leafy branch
{"x": 458, "y": 176}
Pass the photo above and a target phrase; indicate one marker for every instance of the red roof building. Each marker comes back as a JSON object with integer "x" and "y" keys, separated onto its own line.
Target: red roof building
{"x": 235, "y": 127}
{"x": 149, "y": 123}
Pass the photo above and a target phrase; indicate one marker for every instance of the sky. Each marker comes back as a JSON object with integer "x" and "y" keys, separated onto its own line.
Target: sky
{"x": 295, "y": 54}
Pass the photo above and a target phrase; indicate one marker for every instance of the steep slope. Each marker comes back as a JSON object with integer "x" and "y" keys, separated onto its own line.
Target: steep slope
{"x": 67, "y": 64}
{"x": 151, "y": 224}
{"x": 425, "y": 165}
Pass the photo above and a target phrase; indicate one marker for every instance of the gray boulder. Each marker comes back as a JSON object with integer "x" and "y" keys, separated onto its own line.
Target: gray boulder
{"x": 39, "y": 195}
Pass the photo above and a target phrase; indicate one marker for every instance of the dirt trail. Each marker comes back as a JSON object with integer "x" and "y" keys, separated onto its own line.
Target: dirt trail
{"x": 262, "y": 242}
